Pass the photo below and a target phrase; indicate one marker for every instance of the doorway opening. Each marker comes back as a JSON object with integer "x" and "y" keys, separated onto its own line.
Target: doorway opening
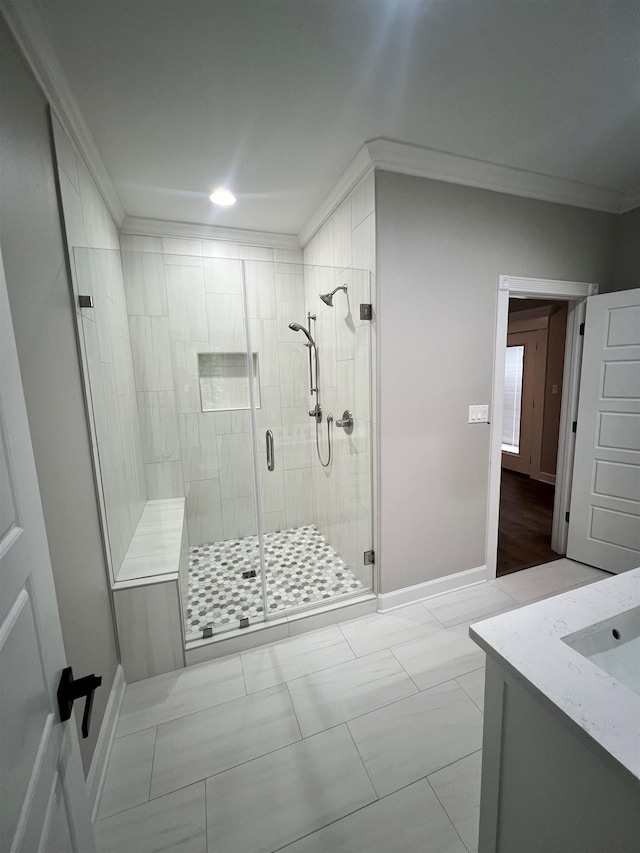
{"x": 571, "y": 295}
{"x": 532, "y": 394}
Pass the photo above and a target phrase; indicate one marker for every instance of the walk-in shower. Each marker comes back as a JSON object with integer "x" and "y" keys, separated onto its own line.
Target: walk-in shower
{"x": 222, "y": 386}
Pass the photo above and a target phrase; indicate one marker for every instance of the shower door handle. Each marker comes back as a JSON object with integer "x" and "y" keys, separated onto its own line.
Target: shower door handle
{"x": 271, "y": 462}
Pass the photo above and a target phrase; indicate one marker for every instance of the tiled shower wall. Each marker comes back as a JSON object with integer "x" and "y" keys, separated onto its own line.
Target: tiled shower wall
{"x": 344, "y": 492}
{"x": 184, "y": 297}
{"x": 93, "y": 243}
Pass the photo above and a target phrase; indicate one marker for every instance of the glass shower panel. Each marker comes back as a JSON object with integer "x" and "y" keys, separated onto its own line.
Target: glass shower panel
{"x": 192, "y": 309}
{"x": 217, "y": 381}
{"x": 111, "y": 395}
{"x": 315, "y": 496}
{"x": 344, "y": 490}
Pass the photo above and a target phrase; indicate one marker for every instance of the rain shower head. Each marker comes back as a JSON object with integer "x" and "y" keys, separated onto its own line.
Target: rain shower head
{"x": 296, "y": 327}
{"x": 327, "y": 298}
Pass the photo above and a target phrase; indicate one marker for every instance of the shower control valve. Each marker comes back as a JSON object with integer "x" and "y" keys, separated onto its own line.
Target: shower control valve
{"x": 346, "y": 422}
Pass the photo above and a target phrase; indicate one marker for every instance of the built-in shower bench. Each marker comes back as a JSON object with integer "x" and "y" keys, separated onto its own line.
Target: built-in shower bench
{"x": 150, "y": 592}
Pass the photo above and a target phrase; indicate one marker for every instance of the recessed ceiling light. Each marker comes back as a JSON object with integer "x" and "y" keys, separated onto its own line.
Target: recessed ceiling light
{"x": 222, "y": 196}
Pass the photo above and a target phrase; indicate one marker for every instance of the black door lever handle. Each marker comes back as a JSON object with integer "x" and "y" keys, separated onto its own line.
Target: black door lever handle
{"x": 69, "y": 690}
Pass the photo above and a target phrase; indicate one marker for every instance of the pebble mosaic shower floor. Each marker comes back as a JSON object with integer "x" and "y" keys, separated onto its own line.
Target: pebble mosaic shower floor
{"x": 302, "y": 568}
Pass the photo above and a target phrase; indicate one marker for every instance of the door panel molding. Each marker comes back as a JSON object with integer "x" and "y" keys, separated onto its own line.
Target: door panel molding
{"x": 604, "y": 528}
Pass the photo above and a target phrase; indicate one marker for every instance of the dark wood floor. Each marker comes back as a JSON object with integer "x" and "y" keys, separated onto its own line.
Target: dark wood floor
{"x": 524, "y": 531}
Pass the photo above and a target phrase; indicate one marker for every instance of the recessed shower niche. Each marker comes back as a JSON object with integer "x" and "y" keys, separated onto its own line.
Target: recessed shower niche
{"x": 224, "y": 381}
{"x": 271, "y": 530}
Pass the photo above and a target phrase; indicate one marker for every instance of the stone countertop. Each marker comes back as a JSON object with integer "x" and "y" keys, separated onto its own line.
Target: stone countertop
{"x": 528, "y": 641}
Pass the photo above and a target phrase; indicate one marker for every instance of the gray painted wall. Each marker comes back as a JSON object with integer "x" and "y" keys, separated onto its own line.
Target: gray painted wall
{"x": 40, "y": 297}
{"x": 626, "y": 267}
{"x": 440, "y": 249}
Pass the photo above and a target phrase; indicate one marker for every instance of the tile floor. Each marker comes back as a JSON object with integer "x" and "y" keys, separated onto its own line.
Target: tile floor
{"x": 360, "y": 737}
{"x": 301, "y": 568}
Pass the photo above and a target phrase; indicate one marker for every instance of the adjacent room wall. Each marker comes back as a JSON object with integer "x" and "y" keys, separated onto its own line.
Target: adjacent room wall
{"x": 626, "y": 266}
{"x": 441, "y": 248}
{"x": 557, "y": 334}
{"x": 41, "y": 305}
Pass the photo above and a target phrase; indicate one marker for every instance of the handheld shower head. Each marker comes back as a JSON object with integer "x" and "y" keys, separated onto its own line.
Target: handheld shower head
{"x": 296, "y": 327}
{"x": 327, "y": 298}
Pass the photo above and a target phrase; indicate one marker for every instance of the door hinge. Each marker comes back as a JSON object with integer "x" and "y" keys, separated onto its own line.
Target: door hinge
{"x": 582, "y": 328}
{"x": 566, "y": 517}
{"x": 366, "y": 311}
{"x": 369, "y": 558}
{"x": 574, "y": 426}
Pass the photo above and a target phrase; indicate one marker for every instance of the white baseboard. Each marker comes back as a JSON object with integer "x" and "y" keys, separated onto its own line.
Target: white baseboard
{"x": 412, "y": 594}
{"x": 545, "y": 478}
{"x": 97, "y": 771}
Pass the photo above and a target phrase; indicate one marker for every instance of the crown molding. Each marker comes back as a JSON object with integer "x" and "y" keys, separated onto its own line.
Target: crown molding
{"x": 24, "y": 21}
{"x": 392, "y": 156}
{"x": 389, "y": 155}
{"x": 166, "y": 228}
{"x": 360, "y": 166}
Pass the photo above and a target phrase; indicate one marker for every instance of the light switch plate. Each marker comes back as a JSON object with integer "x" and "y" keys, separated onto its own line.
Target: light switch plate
{"x": 478, "y": 414}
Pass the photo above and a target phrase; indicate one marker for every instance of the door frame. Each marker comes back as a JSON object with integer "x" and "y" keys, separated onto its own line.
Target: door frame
{"x": 575, "y": 292}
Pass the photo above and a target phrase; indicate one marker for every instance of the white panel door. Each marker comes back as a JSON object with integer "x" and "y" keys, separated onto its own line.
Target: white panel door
{"x": 604, "y": 521}
{"x": 43, "y": 803}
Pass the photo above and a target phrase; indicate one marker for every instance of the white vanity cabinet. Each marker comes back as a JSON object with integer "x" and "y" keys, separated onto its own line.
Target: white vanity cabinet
{"x": 561, "y": 748}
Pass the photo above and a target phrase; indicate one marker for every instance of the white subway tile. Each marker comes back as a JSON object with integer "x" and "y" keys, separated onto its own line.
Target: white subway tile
{"x": 294, "y": 374}
{"x": 225, "y": 316}
{"x": 256, "y": 253}
{"x": 239, "y": 517}
{"x": 186, "y": 302}
{"x": 222, "y": 276}
{"x": 65, "y": 152}
{"x": 164, "y": 480}
{"x": 298, "y": 497}
{"x": 363, "y": 199}
{"x": 264, "y": 342}
{"x": 151, "y": 348}
{"x": 342, "y": 234}
{"x": 145, "y": 285}
{"x": 180, "y": 246}
{"x": 219, "y": 249}
{"x": 364, "y": 244}
{"x": 261, "y": 289}
{"x": 159, "y": 426}
{"x": 73, "y": 218}
{"x": 204, "y": 512}
{"x": 199, "y": 447}
{"x": 236, "y": 473}
{"x": 140, "y": 243}
{"x": 185, "y": 359}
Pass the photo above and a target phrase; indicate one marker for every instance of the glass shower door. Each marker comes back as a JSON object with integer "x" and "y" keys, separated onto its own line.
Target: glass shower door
{"x": 314, "y": 479}
{"x": 226, "y": 585}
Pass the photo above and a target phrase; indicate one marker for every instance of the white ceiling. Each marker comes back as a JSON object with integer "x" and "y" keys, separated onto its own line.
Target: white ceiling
{"x": 274, "y": 97}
